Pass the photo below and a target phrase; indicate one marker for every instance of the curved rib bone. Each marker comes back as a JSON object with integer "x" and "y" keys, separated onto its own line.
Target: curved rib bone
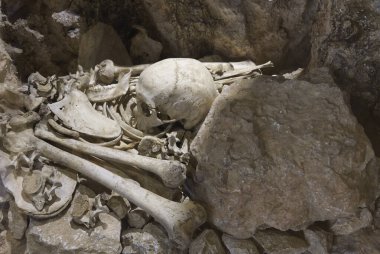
{"x": 172, "y": 173}
{"x": 179, "y": 219}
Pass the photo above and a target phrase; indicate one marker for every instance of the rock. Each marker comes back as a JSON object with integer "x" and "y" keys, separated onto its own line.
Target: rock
{"x": 237, "y": 246}
{"x": 268, "y": 156}
{"x": 60, "y": 235}
{"x": 151, "y": 239}
{"x": 9, "y": 245}
{"x": 279, "y": 242}
{"x": 17, "y": 221}
{"x": 137, "y": 218}
{"x": 346, "y": 226}
{"x": 365, "y": 241}
{"x": 267, "y": 30}
{"x": 345, "y": 38}
{"x": 8, "y": 72}
{"x": 207, "y": 242}
{"x": 377, "y": 214}
{"x": 144, "y": 49}
{"x": 319, "y": 240}
{"x": 99, "y": 43}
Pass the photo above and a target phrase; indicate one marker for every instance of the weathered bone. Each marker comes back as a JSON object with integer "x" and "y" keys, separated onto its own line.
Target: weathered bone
{"x": 101, "y": 93}
{"x": 244, "y": 71}
{"x": 172, "y": 173}
{"x": 13, "y": 182}
{"x": 179, "y": 219}
{"x": 180, "y": 88}
{"x": 76, "y": 112}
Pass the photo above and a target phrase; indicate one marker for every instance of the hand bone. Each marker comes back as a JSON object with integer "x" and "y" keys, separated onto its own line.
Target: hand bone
{"x": 172, "y": 173}
{"x": 179, "y": 219}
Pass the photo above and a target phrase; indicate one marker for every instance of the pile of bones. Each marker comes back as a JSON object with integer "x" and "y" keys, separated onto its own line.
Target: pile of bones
{"x": 127, "y": 129}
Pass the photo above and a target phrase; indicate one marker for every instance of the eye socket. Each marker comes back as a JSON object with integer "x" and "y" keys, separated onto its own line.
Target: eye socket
{"x": 146, "y": 109}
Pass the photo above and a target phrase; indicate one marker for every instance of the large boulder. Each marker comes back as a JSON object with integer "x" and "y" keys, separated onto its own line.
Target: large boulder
{"x": 282, "y": 154}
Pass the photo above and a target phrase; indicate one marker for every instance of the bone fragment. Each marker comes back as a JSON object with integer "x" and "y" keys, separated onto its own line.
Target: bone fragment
{"x": 244, "y": 71}
{"x": 60, "y": 129}
{"x": 172, "y": 173}
{"x": 179, "y": 219}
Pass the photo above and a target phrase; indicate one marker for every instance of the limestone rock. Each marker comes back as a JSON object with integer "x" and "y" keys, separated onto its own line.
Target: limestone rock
{"x": 365, "y": 241}
{"x": 10, "y": 245}
{"x": 17, "y": 221}
{"x": 144, "y": 49}
{"x": 319, "y": 240}
{"x": 279, "y": 242}
{"x": 152, "y": 239}
{"x": 99, "y": 43}
{"x": 208, "y": 242}
{"x": 346, "y": 226}
{"x": 282, "y": 155}
{"x": 237, "y": 246}
{"x": 60, "y": 235}
{"x": 377, "y": 214}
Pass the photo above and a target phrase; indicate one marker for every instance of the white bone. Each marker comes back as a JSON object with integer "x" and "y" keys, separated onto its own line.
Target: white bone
{"x": 180, "y": 88}
{"x": 179, "y": 219}
{"x": 13, "y": 183}
{"x": 76, "y": 112}
{"x": 172, "y": 173}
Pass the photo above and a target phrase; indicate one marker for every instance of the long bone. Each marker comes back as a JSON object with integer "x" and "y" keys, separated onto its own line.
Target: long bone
{"x": 179, "y": 219}
{"x": 172, "y": 173}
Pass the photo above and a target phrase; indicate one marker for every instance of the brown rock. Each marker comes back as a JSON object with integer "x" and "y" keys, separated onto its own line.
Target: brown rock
{"x": 237, "y": 246}
{"x": 99, "y": 43}
{"x": 144, "y": 49}
{"x": 348, "y": 225}
{"x": 278, "y": 242}
{"x": 208, "y": 242}
{"x": 10, "y": 245}
{"x": 17, "y": 221}
{"x": 365, "y": 241}
{"x": 282, "y": 155}
{"x": 319, "y": 240}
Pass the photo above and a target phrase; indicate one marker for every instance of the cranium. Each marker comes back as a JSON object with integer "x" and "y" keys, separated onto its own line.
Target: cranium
{"x": 182, "y": 89}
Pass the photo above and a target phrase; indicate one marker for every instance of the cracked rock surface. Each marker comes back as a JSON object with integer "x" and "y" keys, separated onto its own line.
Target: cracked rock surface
{"x": 283, "y": 155}
{"x": 60, "y": 235}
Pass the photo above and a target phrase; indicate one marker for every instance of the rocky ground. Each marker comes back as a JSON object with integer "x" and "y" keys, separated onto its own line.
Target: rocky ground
{"x": 284, "y": 166}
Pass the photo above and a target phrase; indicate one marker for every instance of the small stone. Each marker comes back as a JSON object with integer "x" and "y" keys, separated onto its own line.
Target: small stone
{"x": 119, "y": 205}
{"x": 151, "y": 239}
{"x": 137, "y": 218}
{"x": 61, "y": 235}
{"x": 17, "y": 221}
{"x": 346, "y": 226}
{"x": 208, "y": 242}
{"x": 377, "y": 214}
{"x": 237, "y": 246}
{"x": 319, "y": 240}
{"x": 279, "y": 242}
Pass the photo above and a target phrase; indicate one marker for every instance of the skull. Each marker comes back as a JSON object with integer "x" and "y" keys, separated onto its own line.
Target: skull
{"x": 180, "y": 88}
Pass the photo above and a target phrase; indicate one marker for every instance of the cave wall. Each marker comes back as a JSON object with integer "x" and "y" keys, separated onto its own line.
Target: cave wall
{"x": 45, "y": 36}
